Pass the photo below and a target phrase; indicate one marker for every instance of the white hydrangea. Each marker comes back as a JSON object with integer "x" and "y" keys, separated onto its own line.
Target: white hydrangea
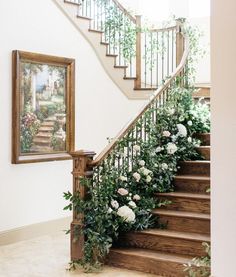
{"x": 137, "y": 176}
{"x": 123, "y": 178}
{"x": 132, "y": 204}
{"x": 164, "y": 166}
{"x": 136, "y": 197}
{"x": 114, "y": 204}
{"x": 126, "y": 213}
{"x": 166, "y": 134}
{"x": 136, "y": 148}
{"x": 123, "y": 191}
{"x": 171, "y": 148}
{"x": 190, "y": 123}
{"x": 148, "y": 179}
{"x": 182, "y": 131}
{"x": 158, "y": 149}
{"x": 109, "y": 210}
{"x": 141, "y": 163}
{"x": 189, "y": 139}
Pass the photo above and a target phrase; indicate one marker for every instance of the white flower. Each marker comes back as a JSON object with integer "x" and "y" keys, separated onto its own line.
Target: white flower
{"x": 164, "y": 166}
{"x": 145, "y": 171}
{"x": 132, "y": 204}
{"x": 136, "y": 148}
{"x": 122, "y": 191}
{"x": 174, "y": 138}
{"x": 109, "y": 210}
{"x": 123, "y": 178}
{"x": 126, "y": 213}
{"x": 166, "y": 134}
{"x": 148, "y": 179}
{"x": 171, "y": 111}
{"x": 182, "y": 131}
{"x": 114, "y": 204}
{"x": 190, "y": 123}
{"x": 137, "y": 176}
{"x": 141, "y": 163}
{"x": 189, "y": 139}
{"x": 136, "y": 197}
{"x": 158, "y": 149}
{"x": 171, "y": 148}
{"x": 181, "y": 118}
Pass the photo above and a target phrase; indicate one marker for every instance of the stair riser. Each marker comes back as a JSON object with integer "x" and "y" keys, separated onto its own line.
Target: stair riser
{"x": 187, "y": 204}
{"x": 194, "y": 186}
{"x": 205, "y": 153}
{"x": 182, "y": 224}
{"x": 201, "y": 169}
{"x": 148, "y": 265}
{"x": 205, "y": 139}
{"x": 161, "y": 243}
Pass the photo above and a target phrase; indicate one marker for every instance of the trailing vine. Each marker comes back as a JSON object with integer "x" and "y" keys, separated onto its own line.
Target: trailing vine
{"x": 121, "y": 200}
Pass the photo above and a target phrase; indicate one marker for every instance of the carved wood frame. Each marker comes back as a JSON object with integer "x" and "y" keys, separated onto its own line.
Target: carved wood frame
{"x": 69, "y": 64}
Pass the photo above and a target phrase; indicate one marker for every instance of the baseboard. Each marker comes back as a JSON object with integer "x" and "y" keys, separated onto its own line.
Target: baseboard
{"x": 34, "y": 230}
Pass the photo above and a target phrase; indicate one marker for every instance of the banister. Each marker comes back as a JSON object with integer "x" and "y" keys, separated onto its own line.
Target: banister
{"x": 124, "y": 10}
{"x": 107, "y": 150}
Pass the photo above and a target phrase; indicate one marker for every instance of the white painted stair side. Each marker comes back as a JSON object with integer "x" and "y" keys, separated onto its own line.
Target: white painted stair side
{"x": 108, "y": 62}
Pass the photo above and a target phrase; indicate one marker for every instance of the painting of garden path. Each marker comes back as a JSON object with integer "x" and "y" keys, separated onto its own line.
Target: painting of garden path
{"x": 42, "y": 108}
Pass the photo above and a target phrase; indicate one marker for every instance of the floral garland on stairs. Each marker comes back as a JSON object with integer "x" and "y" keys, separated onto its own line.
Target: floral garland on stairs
{"x": 122, "y": 200}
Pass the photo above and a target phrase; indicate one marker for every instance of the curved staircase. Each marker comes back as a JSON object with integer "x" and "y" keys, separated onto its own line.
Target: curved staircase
{"x": 186, "y": 222}
{"x": 132, "y": 75}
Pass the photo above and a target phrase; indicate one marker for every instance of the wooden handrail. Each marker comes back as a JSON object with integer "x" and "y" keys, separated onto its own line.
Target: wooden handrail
{"x": 163, "y": 29}
{"x": 107, "y": 150}
{"x": 124, "y": 10}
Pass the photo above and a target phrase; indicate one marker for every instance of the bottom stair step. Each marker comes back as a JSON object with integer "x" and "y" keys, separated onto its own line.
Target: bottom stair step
{"x": 173, "y": 242}
{"x": 149, "y": 261}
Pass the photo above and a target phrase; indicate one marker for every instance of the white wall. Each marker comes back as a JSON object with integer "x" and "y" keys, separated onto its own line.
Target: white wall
{"x": 32, "y": 193}
{"x": 223, "y": 103}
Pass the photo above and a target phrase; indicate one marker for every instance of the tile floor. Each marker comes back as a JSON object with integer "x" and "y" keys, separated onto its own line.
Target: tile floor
{"x": 48, "y": 256}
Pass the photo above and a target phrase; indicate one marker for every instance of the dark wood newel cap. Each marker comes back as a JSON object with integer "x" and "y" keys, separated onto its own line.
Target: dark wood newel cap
{"x": 82, "y": 153}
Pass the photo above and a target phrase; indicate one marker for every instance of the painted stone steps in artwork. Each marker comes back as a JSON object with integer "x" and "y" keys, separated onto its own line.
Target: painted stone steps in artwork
{"x": 42, "y": 140}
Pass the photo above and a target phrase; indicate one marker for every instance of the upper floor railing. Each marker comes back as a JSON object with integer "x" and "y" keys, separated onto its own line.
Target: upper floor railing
{"x": 148, "y": 56}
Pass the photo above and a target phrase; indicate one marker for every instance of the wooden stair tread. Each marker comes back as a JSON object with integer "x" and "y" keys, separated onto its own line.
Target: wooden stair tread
{"x": 193, "y": 177}
{"x": 177, "y": 234}
{"x": 197, "y": 162}
{"x": 84, "y": 17}
{"x": 185, "y": 195}
{"x": 145, "y": 253}
{"x": 72, "y": 3}
{"x": 96, "y": 31}
{"x": 181, "y": 214}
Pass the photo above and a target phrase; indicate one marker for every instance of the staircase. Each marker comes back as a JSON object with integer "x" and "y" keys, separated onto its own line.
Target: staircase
{"x": 187, "y": 220}
{"x": 141, "y": 70}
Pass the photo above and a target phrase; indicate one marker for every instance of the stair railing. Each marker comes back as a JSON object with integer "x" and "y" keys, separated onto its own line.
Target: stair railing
{"x": 84, "y": 164}
{"x": 147, "y": 56}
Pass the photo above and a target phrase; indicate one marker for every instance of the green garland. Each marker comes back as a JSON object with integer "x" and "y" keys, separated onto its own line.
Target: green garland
{"x": 121, "y": 201}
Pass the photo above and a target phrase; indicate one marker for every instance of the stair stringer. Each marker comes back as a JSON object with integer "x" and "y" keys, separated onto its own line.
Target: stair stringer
{"x": 108, "y": 62}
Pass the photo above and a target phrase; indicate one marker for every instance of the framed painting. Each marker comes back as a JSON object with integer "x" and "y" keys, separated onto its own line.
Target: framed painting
{"x": 43, "y": 107}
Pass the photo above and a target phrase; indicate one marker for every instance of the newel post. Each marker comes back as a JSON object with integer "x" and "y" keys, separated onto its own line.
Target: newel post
{"x": 179, "y": 42}
{"x": 138, "y": 51}
{"x": 81, "y": 168}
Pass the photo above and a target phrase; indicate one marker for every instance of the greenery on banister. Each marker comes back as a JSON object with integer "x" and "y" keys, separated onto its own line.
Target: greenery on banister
{"x": 121, "y": 194}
